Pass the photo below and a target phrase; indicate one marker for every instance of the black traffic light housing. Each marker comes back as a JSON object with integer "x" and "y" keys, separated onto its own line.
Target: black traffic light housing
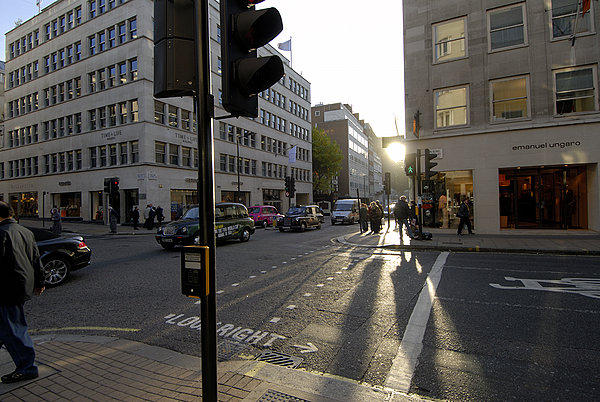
{"x": 410, "y": 164}
{"x": 429, "y": 164}
{"x": 243, "y": 30}
{"x": 287, "y": 185}
{"x": 292, "y": 186}
{"x": 174, "y": 48}
{"x": 114, "y": 185}
{"x": 387, "y": 183}
{"x": 107, "y": 184}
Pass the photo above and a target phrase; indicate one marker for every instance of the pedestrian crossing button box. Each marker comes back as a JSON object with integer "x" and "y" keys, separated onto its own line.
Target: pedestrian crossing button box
{"x": 194, "y": 271}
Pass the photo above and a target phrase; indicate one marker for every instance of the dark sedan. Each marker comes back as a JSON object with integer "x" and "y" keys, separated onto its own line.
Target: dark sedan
{"x": 60, "y": 254}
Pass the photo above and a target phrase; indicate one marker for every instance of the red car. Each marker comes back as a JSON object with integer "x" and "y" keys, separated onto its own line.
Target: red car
{"x": 264, "y": 215}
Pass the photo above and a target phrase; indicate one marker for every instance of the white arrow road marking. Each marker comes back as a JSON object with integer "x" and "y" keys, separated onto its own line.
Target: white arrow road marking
{"x": 310, "y": 348}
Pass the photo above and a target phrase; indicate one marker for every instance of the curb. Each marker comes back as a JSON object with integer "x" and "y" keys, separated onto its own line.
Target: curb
{"x": 467, "y": 249}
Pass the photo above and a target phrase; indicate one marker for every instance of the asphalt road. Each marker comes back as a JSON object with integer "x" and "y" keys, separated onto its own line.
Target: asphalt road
{"x": 332, "y": 308}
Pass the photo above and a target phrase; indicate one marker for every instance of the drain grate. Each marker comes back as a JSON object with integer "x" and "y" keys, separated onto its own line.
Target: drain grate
{"x": 280, "y": 359}
{"x": 227, "y": 349}
{"x": 276, "y": 396}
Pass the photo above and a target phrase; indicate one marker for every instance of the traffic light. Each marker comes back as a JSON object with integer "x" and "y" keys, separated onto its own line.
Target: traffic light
{"x": 387, "y": 183}
{"x": 174, "y": 48}
{"x": 292, "y": 186}
{"x": 410, "y": 164}
{"x": 287, "y": 185}
{"x": 114, "y": 185}
{"x": 107, "y": 185}
{"x": 243, "y": 30}
{"x": 429, "y": 164}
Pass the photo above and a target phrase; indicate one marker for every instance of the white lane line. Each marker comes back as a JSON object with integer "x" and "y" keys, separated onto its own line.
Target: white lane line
{"x": 263, "y": 272}
{"x": 330, "y": 278}
{"x": 252, "y": 276}
{"x": 307, "y": 294}
{"x": 274, "y": 266}
{"x": 235, "y": 284}
{"x": 403, "y": 365}
{"x": 320, "y": 285}
{"x": 275, "y": 320}
{"x": 291, "y": 307}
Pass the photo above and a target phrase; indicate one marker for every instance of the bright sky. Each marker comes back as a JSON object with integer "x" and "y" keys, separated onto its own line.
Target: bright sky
{"x": 349, "y": 50}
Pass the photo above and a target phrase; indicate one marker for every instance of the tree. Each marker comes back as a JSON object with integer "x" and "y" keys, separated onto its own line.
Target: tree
{"x": 327, "y": 161}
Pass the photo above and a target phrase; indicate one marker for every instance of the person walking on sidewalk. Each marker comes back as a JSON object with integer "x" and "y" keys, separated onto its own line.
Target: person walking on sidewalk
{"x": 135, "y": 217}
{"x": 113, "y": 218}
{"x": 363, "y": 218}
{"x": 56, "y": 220}
{"x": 149, "y": 217}
{"x": 160, "y": 217}
{"x": 375, "y": 217}
{"x": 21, "y": 276}
{"x": 463, "y": 213}
{"x": 402, "y": 214}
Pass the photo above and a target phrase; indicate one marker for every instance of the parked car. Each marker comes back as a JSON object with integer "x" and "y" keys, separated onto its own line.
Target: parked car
{"x": 60, "y": 255}
{"x": 231, "y": 222}
{"x": 300, "y": 218}
{"x": 345, "y": 211}
{"x": 264, "y": 215}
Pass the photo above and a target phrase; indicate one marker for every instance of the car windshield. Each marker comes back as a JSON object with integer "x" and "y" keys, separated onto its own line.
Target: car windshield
{"x": 296, "y": 210}
{"x": 191, "y": 214}
{"x": 253, "y": 210}
{"x": 346, "y": 206}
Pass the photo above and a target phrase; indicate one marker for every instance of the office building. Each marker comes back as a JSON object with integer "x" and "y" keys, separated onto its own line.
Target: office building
{"x": 506, "y": 94}
{"x": 80, "y": 109}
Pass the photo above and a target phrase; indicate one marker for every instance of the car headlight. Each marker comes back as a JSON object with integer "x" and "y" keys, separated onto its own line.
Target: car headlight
{"x": 183, "y": 230}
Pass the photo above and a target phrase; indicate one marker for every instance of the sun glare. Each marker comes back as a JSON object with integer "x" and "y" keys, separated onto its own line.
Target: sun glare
{"x": 396, "y": 152}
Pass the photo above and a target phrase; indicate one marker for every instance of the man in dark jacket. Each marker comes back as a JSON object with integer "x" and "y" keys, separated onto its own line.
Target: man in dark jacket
{"x": 21, "y": 275}
{"x": 402, "y": 214}
{"x": 464, "y": 215}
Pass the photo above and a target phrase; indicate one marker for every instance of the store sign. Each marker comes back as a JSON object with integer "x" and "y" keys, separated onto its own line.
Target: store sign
{"x": 64, "y": 183}
{"x": 111, "y": 135}
{"x": 548, "y": 145}
{"x": 185, "y": 138}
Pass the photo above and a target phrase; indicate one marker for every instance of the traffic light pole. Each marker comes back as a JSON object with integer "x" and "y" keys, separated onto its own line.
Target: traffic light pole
{"x": 419, "y": 193}
{"x": 206, "y": 200}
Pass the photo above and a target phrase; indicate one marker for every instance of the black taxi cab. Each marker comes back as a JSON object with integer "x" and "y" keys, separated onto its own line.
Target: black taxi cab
{"x": 231, "y": 222}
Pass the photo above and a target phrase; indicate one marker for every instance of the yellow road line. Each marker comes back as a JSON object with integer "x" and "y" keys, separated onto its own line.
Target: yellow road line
{"x": 86, "y": 329}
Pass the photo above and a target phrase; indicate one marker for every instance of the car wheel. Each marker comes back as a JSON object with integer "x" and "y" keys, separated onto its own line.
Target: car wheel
{"x": 303, "y": 227}
{"x": 333, "y": 222}
{"x": 56, "y": 270}
{"x": 168, "y": 246}
{"x": 245, "y": 235}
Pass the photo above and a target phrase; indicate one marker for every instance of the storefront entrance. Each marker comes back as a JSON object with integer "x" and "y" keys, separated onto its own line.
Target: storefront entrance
{"x": 543, "y": 198}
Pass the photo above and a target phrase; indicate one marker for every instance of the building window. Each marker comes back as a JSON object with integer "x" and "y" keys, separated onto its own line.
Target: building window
{"x": 185, "y": 119}
{"x": 122, "y": 113}
{"x": 78, "y": 51}
{"x": 134, "y": 151}
{"x": 112, "y": 76}
{"x": 113, "y": 154}
{"x": 133, "y": 69}
{"x": 102, "y": 155}
{"x": 576, "y": 90}
{"x": 172, "y": 116}
{"x": 451, "y": 107}
{"x": 564, "y": 14}
{"x": 122, "y": 33}
{"x": 122, "y": 73}
{"x": 160, "y": 152}
{"x": 173, "y": 154}
{"x": 111, "y": 37}
{"x": 510, "y": 99}
{"x": 92, "y": 42}
{"x": 92, "y": 116}
{"x": 92, "y": 7}
{"x": 123, "y": 153}
{"x": 449, "y": 40}
{"x": 133, "y": 107}
{"x": 112, "y": 115}
{"x": 159, "y": 112}
{"x": 93, "y": 158}
{"x": 101, "y": 41}
{"x": 132, "y": 28}
{"x": 186, "y": 156}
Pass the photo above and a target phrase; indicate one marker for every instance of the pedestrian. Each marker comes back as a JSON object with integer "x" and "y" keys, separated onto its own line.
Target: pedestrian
{"x": 160, "y": 217}
{"x": 464, "y": 215}
{"x": 147, "y": 221}
{"x": 363, "y": 218}
{"x": 135, "y": 217}
{"x": 375, "y": 217}
{"x": 113, "y": 217}
{"x": 56, "y": 220}
{"x": 381, "y": 213}
{"x": 21, "y": 276}
{"x": 402, "y": 215}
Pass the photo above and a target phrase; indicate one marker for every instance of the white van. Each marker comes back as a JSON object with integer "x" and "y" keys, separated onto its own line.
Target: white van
{"x": 345, "y": 211}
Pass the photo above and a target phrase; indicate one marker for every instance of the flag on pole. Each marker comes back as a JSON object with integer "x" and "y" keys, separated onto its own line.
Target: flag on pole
{"x": 287, "y": 45}
{"x": 585, "y": 6}
{"x": 292, "y": 154}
